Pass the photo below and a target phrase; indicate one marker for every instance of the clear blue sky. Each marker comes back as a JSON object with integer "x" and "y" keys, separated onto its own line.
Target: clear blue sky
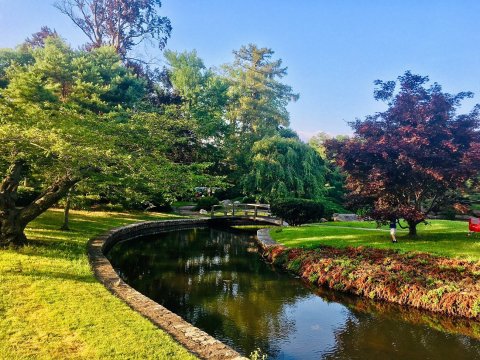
{"x": 334, "y": 50}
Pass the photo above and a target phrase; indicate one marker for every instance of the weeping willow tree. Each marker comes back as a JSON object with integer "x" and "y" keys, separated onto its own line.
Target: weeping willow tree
{"x": 284, "y": 168}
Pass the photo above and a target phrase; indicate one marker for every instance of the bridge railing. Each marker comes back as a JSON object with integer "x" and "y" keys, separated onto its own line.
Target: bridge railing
{"x": 246, "y": 210}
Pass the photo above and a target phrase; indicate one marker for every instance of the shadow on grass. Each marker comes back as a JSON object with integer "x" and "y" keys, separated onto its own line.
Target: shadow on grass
{"x": 52, "y": 275}
{"x": 61, "y": 249}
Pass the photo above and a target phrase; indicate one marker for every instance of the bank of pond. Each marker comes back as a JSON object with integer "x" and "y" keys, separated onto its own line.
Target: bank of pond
{"x": 218, "y": 280}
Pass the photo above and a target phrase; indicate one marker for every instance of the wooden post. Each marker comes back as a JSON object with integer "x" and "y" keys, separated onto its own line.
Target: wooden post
{"x": 256, "y": 212}
{"x": 233, "y": 209}
{"x": 212, "y": 212}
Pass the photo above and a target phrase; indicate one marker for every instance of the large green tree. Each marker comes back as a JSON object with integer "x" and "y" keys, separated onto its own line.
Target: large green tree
{"x": 204, "y": 97}
{"x": 68, "y": 116}
{"x": 257, "y": 104}
{"x": 285, "y": 168}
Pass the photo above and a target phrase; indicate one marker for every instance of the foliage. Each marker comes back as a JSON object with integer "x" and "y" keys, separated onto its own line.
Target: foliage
{"x": 26, "y": 195}
{"x": 332, "y": 207}
{"x": 206, "y": 203}
{"x": 334, "y": 177}
{"x": 48, "y": 287}
{"x": 423, "y": 281}
{"x": 71, "y": 117}
{"x": 122, "y": 24}
{"x": 258, "y": 100}
{"x": 298, "y": 211}
{"x": 8, "y": 57}
{"x": 409, "y": 159}
{"x": 37, "y": 40}
{"x": 257, "y": 103}
{"x": 258, "y": 354}
{"x": 284, "y": 168}
{"x": 204, "y": 97}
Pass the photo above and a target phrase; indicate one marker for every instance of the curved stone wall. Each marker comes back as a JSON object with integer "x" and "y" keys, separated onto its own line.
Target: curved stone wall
{"x": 192, "y": 338}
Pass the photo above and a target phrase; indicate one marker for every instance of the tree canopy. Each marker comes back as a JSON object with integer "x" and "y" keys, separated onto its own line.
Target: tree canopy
{"x": 122, "y": 24}
{"x": 407, "y": 160}
{"x": 285, "y": 168}
{"x": 71, "y": 115}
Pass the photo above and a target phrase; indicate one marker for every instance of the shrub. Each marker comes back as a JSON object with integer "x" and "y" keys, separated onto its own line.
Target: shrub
{"x": 206, "y": 203}
{"x": 331, "y": 207}
{"x": 298, "y": 211}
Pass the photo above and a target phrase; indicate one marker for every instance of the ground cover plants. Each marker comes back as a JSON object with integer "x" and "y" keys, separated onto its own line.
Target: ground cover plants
{"x": 52, "y": 307}
{"x": 359, "y": 259}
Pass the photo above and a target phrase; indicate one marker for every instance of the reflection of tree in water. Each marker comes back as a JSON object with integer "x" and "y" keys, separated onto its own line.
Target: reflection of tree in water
{"x": 213, "y": 280}
{"x": 398, "y": 313}
{"x": 370, "y": 336}
{"x": 389, "y": 331}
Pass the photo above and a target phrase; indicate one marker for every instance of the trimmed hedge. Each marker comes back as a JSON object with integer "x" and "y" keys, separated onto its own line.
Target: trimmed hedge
{"x": 298, "y": 211}
{"x": 206, "y": 203}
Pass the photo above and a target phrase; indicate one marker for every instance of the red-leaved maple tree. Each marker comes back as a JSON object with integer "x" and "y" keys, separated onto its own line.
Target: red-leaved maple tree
{"x": 406, "y": 161}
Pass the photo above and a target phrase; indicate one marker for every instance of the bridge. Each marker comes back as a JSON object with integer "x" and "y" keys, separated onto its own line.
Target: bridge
{"x": 242, "y": 213}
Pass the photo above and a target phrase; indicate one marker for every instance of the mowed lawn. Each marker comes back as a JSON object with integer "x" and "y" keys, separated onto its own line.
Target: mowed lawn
{"x": 52, "y": 307}
{"x": 439, "y": 237}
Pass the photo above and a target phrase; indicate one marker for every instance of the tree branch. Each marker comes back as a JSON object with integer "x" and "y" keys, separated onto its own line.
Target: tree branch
{"x": 48, "y": 198}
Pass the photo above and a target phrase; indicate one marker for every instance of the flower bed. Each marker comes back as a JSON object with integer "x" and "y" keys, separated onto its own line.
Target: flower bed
{"x": 442, "y": 285}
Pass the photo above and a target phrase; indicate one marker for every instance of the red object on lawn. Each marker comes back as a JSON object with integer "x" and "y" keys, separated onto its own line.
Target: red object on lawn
{"x": 474, "y": 225}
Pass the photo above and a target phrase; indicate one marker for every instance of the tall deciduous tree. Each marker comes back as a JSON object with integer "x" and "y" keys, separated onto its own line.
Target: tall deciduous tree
{"x": 285, "y": 167}
{"x": 204, "y": 97}
{"x": 38, "y": 39}
{"x": 69, "y": 116}
{"x": 405, "y": 161}
{"x": 122, "y": 24}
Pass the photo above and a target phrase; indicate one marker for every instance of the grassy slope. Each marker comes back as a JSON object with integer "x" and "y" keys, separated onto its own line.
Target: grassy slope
{"x": 441, "y": 237}
{"x": 51, "y": 306}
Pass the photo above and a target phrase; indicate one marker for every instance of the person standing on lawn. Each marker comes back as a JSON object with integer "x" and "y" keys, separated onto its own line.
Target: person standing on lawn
{"x": 393, "y": 229}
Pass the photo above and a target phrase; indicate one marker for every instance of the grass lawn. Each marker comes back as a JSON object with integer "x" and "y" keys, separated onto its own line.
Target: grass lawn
{"x": 52, "y": 307}
{"x": 440, "y": 237}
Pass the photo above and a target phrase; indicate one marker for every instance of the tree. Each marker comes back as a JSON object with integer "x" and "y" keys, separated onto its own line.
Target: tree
{"x": 257, "y": 104}
{"x": 405, "y": 161}
{"x": 38, "y": 39}
{"x": 284, "y": 168}
{"x": 334, "y": 178}
{"x": 258, "y": 100}
{"x": 71, "y": 116}
{"x": 203, "y": 92}
{"x": 122, "y": 24}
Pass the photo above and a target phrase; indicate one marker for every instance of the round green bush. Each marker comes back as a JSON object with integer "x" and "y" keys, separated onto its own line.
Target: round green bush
{"x": 206, "y": 203}
{"x": 298, "y": 211}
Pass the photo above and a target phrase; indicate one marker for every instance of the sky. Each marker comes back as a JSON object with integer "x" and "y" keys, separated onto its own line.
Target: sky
{"x": 334, "y": 50}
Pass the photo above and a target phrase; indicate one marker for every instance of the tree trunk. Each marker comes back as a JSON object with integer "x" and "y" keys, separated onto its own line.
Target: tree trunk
{"x": 11, "y": 229}
{"x": 11, "y": 226}
{"x": 412, "y": 228}
{"x": 66, "y": 213}
{"x": 13, "y": 221}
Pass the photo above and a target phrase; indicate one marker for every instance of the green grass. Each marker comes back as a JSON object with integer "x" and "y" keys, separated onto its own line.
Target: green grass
{"x": 52, "y": 307}
{"x": 440, "y": 237}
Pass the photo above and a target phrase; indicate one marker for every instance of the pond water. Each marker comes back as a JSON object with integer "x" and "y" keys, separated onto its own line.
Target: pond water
{"x": 216, "y": 280}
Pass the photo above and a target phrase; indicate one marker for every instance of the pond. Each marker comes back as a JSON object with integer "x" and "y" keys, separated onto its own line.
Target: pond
{"x": 216, "y": 280}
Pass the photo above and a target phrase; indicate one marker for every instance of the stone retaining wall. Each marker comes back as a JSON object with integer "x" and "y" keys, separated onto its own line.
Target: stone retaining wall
{"x": 192, "y": 338}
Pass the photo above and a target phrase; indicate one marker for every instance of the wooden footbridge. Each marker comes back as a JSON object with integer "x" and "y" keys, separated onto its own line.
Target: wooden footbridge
{"x": 241, "y": 213}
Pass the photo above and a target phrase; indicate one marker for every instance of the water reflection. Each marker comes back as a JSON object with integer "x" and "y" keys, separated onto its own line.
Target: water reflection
{"x": 214, "y": 280}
